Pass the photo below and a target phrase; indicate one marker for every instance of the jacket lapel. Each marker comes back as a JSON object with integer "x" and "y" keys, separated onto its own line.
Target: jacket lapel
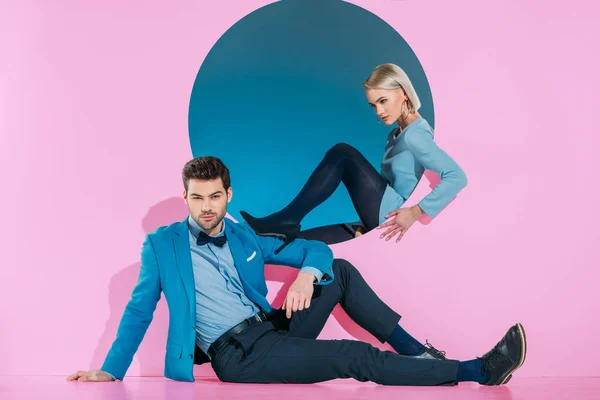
{"x": 239, "y": 254}
{"x": 237, "y": 250}
{"x": 181, "y": 242}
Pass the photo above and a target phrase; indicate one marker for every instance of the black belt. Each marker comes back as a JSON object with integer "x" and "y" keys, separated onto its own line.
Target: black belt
{"x": 239, "y": 328}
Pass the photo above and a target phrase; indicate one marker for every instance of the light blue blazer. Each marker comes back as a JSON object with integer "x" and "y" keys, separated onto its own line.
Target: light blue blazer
{"x": 166, "y": 266}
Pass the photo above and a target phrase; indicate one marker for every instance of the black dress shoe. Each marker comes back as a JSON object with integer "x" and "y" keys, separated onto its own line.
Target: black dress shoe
{"x": 505, "y": 357}
{"x": 286, "y": 232}
{"x": 431, "y": 352}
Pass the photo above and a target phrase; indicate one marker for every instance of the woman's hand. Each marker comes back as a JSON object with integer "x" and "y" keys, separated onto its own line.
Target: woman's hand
{"x": 404, "y": 219}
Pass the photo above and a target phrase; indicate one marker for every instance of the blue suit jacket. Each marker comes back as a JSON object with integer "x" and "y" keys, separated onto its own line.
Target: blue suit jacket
{"x": 167, "y": 266}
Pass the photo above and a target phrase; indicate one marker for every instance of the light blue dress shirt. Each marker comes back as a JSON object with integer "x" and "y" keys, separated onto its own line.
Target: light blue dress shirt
{"x": 220, "y": 299}
{"x": 221, "y": 302}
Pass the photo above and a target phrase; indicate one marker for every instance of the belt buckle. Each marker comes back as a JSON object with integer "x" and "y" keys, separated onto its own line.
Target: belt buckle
{"x": 259, "y": 315}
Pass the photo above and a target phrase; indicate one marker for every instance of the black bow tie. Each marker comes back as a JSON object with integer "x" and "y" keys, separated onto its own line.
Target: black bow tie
{"x": 204, "y": 238}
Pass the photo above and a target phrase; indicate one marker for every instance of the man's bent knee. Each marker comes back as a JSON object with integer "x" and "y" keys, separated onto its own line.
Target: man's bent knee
{"x": 343, "y": 267}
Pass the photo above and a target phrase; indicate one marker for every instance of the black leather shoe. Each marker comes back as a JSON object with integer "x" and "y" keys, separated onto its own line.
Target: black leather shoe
{"x": 287, "y": 232}
{"x": 504, "y": 359}
{"x": 431, "y": 352}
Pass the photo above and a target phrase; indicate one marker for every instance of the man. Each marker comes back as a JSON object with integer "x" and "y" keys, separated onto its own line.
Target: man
{"x": 211, "y": 271}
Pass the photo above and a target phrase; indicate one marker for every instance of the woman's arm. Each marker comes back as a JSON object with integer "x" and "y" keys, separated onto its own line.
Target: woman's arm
{"x": 453, "y": 178}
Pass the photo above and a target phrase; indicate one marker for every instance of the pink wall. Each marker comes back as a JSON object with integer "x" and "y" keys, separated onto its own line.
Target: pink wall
{"x": 94, "y": 131}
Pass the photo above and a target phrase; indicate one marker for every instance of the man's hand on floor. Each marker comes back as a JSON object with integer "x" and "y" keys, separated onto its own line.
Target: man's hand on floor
{"x": 91, "y": 376}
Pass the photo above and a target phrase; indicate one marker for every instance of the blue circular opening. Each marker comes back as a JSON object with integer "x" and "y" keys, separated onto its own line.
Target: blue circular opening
{"x": 282, "y": 86}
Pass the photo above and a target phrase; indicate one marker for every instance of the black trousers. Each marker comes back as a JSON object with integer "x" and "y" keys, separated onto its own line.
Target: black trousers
{"x": 287, "y": 351}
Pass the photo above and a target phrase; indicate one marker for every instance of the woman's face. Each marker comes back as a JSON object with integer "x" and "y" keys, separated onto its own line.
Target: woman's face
{"x": 387, "y": 103}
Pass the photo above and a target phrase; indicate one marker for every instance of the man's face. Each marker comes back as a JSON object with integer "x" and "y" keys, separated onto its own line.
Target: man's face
{"x": 207, "y": 202}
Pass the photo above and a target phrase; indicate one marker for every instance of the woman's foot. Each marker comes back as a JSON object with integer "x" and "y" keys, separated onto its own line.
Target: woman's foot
{"x": 261, "y": 228}
{"x": 287, "y": 232}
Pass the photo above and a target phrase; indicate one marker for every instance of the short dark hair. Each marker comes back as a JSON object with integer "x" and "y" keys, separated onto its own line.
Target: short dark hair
{"x": 205, "y": 168}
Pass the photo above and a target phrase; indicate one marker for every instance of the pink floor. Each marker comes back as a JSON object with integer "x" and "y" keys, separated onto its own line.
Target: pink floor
{"x": 56, "y": 387}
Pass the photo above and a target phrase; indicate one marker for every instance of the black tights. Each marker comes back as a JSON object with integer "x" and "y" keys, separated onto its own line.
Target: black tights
{"x": 342, "y": 163}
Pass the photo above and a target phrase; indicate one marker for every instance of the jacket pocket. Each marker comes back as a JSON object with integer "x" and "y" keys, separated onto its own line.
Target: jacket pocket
{"x": 174, "y": 350}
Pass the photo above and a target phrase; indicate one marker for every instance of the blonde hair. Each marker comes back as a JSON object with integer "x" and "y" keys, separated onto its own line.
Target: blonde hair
{"x": 390, "y": 76}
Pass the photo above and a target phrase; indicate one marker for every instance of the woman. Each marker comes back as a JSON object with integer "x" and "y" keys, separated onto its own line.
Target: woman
{"x": 409, "y": 150}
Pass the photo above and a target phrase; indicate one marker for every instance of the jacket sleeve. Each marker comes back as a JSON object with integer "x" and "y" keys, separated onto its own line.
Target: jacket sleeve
{"x": 301, "y": 253}
{"x": 137, "y": 316}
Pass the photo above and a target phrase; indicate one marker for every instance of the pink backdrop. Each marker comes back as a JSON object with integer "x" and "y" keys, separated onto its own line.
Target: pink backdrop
{"x": 94, "y": 134}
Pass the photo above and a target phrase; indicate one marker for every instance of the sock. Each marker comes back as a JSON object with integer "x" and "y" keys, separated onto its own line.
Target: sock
{"x": 470, "y": 371}
{"x": 404, "y": 344}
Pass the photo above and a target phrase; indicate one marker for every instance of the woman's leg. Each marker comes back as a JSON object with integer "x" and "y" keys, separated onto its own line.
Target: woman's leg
{"x": 342, "y": 163}
{"x": 329, "y": 234}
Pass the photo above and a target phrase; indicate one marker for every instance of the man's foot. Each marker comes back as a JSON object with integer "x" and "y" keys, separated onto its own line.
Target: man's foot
{"x": 431, "y": 352}
{"x": 504, "y": 359}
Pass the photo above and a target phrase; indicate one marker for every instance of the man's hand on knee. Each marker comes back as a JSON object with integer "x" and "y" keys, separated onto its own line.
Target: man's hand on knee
{"x": 299, "y": 295}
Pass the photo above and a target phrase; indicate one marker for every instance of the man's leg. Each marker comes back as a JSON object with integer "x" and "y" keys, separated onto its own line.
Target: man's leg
{"x": 328, "y": 234}
{"x": 362, "y": 304}
{"x": 279, "y": 357}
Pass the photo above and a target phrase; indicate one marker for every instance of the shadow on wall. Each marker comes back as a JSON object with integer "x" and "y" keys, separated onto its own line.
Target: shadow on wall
{"x": 151, "y": 353}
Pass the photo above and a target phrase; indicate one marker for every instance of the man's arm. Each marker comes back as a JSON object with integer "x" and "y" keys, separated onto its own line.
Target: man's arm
{"x": 313, "y": 258}
{"x": 308, "y": 255}
{"x": 134, "y": 323}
